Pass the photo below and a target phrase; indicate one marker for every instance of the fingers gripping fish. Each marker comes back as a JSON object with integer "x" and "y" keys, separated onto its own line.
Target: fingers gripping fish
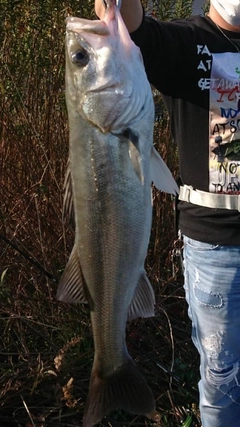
{"x": 112, "y": 164}
{"x": 108, "y": 3}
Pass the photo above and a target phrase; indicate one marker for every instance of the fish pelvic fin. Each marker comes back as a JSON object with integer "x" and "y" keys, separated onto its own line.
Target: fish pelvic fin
{"x": 72, "y": 287}
{"x": 134, "y": 153}
{"x": 161, "y": 175}
{"x": 143, "y": 302}
{"x": 124, "y": 389}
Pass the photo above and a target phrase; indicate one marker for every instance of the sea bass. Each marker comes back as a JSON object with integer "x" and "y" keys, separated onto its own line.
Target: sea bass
{"x": 112, "y": 164}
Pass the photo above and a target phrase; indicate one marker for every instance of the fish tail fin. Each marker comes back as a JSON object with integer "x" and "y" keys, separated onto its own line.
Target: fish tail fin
{"x": 124, "y": 389}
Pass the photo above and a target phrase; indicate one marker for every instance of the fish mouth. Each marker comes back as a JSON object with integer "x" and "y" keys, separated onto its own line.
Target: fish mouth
{"x": 112, "y": 89}
{"x": 78, "y": 25}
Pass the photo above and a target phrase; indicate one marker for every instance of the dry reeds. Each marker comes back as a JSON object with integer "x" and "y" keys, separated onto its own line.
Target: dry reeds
{"x": 46, "y": 348}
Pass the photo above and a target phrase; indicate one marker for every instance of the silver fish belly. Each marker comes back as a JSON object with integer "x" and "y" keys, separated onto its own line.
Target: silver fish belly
{"x": 112, "y": 164}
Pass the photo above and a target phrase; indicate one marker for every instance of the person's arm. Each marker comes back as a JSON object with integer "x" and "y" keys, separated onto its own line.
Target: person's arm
{"x": 131, "y": 11}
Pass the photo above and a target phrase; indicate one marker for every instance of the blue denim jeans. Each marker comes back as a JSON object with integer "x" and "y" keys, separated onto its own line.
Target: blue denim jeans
{"x": 212, "y": 286}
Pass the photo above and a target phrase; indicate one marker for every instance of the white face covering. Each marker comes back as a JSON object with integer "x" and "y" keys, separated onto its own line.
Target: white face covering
{"x": 229, "y": 10}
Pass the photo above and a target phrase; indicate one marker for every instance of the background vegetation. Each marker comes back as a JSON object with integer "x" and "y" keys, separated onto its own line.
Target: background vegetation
{"x": 46, "y": 348}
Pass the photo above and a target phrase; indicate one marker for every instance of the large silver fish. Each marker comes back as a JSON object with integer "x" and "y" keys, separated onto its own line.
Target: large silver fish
{"x": 112, "y": 164}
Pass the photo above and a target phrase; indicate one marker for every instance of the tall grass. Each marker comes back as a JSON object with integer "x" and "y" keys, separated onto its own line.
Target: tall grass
{"x": 46, "y": 347}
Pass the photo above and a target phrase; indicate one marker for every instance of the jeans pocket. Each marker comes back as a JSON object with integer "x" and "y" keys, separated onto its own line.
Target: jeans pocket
{"x": 199, "y": 246}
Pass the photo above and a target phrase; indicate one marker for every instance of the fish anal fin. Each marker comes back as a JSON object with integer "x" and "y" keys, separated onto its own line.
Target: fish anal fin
{"x": 72, "y": 287}
{"x": 161, "y": 174}
{"x": 143, "y": 302}
{"x": 124, "y": 389}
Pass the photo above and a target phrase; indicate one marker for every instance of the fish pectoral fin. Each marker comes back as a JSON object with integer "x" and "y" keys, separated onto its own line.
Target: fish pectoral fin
{"x": 143, "y": 302}
{"x": 161, "y": 175}
{"x": 125, "y": 388}
{"x": 68, "y": 207}
{"x": 134, "y": 153}
{"x": 72, "y": 283}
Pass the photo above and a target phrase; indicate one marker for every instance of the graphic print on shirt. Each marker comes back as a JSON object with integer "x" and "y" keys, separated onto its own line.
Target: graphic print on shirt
{"x": 224, "y": 132}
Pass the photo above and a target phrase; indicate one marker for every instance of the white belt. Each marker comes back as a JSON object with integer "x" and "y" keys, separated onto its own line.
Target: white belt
{"x": 209, "y": 200}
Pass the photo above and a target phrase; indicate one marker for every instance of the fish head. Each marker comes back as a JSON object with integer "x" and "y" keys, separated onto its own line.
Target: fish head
{"x": 106, "y": 81}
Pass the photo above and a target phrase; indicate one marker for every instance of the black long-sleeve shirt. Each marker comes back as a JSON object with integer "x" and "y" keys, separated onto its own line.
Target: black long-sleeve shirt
{"x": 197, "y": 70}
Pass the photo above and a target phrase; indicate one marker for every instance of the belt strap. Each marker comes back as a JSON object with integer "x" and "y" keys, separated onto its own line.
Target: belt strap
{"x": 209, "y": 200}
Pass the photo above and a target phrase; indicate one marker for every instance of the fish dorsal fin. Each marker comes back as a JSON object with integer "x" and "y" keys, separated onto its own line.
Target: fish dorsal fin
{"x": 161, "y": 175}
{"x": 68, "y": 207}
{"x": 72, "y": 284}
{"x": 143, "y": 302}
{"x": 134, "y": 153}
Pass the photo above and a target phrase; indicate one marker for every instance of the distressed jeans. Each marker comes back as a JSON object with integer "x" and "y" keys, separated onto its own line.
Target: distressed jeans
{"x": 212, "y": 286}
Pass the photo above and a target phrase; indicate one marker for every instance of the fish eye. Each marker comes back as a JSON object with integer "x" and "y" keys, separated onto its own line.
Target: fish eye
{"x": 80, "y": 57}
